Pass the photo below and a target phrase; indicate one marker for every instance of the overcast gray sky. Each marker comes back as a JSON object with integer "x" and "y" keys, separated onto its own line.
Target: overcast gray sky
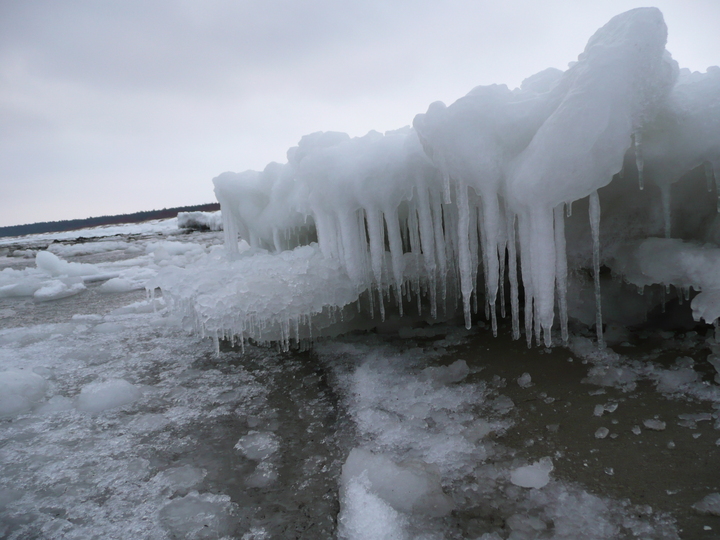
{"x": 118, "y": 106}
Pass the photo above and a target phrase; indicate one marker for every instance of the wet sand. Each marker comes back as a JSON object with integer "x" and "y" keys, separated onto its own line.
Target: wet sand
{"x": 555, "y": 417}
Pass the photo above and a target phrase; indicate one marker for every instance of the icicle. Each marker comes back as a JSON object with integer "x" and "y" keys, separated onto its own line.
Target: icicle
{"x": 393, "y": 229}
{"x": 493, "y": 315}
{"x": 595, "y": 228}
{"x": 376, "y": 234}
{"x": 561, "y": 271}
{"x": 427, "y": 244}
{"x": 665, "y": 196}
{"x": 568, "y": 209}
{"x": 442, "y": 164}
{"x": 512, "y": 273}
{"x": 686, "y": 293}
{"x": 523, "y": 229}
{"x": 437, "y": 217}
{"x": 464, "y": 258}
{"x": 637, "y": 140}
{"x": 709, "y": 176}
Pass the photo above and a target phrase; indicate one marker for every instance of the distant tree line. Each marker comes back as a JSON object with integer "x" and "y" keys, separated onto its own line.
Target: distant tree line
{"x": 74, "y": 224}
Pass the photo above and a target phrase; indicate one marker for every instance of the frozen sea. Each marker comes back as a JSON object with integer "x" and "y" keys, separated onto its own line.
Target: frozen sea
{"x": 117, "y": 422}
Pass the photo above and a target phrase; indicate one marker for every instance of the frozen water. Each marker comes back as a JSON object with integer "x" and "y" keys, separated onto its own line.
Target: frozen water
{"x": 710, "y": 505}
{"x": 19, "y": 391}
{"x": 536, "y": 475}
{"x": 98, "y": 397}
{"x": 428, "y": 219}
{"x": 211, "y": 221}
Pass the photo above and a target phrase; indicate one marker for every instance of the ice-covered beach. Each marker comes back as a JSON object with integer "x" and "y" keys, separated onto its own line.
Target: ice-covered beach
{"x": 432, "y": 333}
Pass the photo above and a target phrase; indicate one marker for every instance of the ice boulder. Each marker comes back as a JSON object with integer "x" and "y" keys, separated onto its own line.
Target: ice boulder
{"x": 535, "y": 476}
{"x": 101, "y": 396}
{"x": 19, "y": 391}
{"x": 407, "y": 487}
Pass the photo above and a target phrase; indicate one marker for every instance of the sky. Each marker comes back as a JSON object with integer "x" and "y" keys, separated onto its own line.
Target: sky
{"x": 127, "y": 105}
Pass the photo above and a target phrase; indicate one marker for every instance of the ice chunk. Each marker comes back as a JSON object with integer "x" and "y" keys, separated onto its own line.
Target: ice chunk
{"x": 654, "y": 424}
{"x": 57, "y": 289}
{"x": 602, "y": 432}
{"x": 119, "y": 285}
{"x": 535, "y": 476}
{"x": 97, "y": 397}
{"x": 53, "y": 265}
{"x": 19, "y": 391}
{"x": 258, "y": 445}
{"x": 453, "y": 373}
{"x": 184, "y": 478}
{"x": 366, "y": 516}
{"x": 710, "y": 505}
{"x": 199, "y": 516}
{"x": 524, "y": 380}
{"x": 201, "y": 221}
{"x": 407, "y": 487}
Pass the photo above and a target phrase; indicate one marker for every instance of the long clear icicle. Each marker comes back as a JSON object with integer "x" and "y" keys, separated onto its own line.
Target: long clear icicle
{"x": 512, "y": 273}
{"x": 595, "y": 228}
{"x": 464, "y": 258}
{"x": 561, "y": 271}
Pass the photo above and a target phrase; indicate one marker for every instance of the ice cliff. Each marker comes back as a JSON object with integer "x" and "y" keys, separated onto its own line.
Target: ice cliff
{"x": 472, "y": 208}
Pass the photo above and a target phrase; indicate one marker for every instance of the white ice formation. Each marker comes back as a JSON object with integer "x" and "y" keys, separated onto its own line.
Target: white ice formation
{"x": 476, "y": 197}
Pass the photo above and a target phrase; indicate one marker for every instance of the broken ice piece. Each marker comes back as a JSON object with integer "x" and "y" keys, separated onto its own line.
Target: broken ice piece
{"x": 535, "y": 476}
{"x": 710, "y": 505}
{"x": 602, "y": 432}
{"x": 636, "y": 430}
{"x": 654, "y": 424}
{"x": 524, "y": 380}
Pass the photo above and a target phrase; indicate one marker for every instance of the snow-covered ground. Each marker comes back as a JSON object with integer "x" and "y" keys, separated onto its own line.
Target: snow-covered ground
{"x": 118, "y": 423}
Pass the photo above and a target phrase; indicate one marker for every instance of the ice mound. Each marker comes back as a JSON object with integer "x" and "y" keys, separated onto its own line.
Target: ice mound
{"x": 292, "y": 295}
{"x": 366, "y": 516}
{"x": 97, "y": 397}
{"x": 201, "y": 221}
{"x": 19, "y": 391}
{"x": 409, "y": 487}
{"x": 54, "y": 266}
{"x": 447, "y": 211}
{"x": 535, "y": 476}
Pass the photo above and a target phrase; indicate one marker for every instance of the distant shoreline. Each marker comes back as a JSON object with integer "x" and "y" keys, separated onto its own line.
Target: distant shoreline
{"x": 74, "y": 224}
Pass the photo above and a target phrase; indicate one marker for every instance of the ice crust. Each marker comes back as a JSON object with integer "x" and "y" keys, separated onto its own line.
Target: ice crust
{"x": 446, "y": 211}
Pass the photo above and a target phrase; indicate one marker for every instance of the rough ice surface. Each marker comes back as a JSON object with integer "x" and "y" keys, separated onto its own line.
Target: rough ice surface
{"x": 469, "y": 209}
{"x": 201, "y": 221}
{"x": 19, "y": 390}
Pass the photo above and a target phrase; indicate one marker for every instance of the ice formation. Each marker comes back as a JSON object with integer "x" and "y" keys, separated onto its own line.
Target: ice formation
{"x": 472, "y": 206}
